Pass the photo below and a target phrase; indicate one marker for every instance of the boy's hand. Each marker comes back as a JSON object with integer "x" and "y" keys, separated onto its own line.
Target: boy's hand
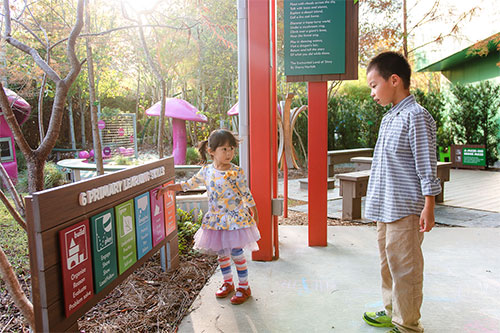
{"x": 427, "y": 220}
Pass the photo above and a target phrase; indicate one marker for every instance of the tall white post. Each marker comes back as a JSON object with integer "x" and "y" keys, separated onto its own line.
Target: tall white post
{"x": 243, "y": 85}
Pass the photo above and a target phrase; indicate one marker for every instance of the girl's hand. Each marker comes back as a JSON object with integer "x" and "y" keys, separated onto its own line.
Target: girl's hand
{"x": 255, "y": 214}
{"x": 169, "y": 187}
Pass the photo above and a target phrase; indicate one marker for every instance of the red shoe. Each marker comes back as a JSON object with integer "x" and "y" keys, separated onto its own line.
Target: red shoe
{"x": 225, "y": 290}
{"x": 245, "y": 294}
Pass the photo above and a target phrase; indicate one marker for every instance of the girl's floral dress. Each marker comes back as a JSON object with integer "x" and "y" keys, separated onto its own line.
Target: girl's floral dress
{"x": 228, "y": 223}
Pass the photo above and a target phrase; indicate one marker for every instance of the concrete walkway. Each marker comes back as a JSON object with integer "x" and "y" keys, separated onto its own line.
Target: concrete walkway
{"x": 327, "y": 289}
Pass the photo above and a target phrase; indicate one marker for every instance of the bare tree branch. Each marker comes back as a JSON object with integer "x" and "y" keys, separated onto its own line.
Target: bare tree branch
{"x": 12, "y": 211}
{"x": 106, "y": 32}
{"x": 25, "y": 48}
{"x": 75, "y": 64}
{"x": 14, "y": 288}
{"x": 30, "y": 32}
{"x": 18, "y": 200}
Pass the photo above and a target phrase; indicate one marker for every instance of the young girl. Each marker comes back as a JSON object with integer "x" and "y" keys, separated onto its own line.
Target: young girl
{"x": 228, "y": 226}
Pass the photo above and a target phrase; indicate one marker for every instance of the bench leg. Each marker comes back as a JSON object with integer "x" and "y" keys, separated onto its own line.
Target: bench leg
{"x": 351, "y": 207}
{"x": 440, "y": 196}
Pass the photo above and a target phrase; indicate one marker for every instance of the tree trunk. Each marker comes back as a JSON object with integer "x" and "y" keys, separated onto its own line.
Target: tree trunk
{"x": 93, "y": 110}
{"x": 35, "y": 173}
{"x": 405, "y": 30}
{"x": 161, "y": 124}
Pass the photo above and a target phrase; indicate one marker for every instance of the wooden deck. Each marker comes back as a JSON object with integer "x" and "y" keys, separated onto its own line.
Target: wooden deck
{"x": 475, "y": 189}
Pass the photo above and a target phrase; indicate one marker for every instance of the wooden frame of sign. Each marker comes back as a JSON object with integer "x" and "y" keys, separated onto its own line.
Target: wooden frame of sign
{"x": 351, "y": 51}
{"x": 54, "y": 210}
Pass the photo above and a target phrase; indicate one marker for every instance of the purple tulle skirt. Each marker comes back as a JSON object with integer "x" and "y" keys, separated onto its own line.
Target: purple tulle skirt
{"x": 220, "y": 242}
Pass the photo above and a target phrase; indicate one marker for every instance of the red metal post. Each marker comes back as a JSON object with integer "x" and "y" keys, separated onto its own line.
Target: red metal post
{"x": 317, "y": 163}
{"x": 285, "y": 188}
{"x": 274, "y": 124}
{"x": 260, "y": 122}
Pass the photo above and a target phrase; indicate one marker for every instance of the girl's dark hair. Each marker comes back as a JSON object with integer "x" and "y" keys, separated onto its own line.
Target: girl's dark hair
{"x": 388, "y": 63}
{"x": 216, "y": 139}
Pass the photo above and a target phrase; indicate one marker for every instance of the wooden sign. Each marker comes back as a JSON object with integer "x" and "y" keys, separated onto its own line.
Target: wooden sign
{"x": 315, "y": 42}
{"x": 157, "y": 217}
{"x": 76, "y": 265}
{"x": 126, "y": 240}
{"x": 170, "y": 222}
{"x": 320, "y": 40}
{"x": 103, "y": 229}
{"x": 143, "y": 224}
{"x": 67, "y": 278}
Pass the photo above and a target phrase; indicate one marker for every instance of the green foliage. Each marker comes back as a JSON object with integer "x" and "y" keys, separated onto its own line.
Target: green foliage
{"x": 121, "y": 160}
{"x": 473, "y": 117}
{"x": 187, "y": 225}
{"x": 354, "y": 119}
{"x": 21, "y": 161}
{"x": 192, "y": 156}
{"x": 109, "y": 112}
{"x": 434, "y": 103}
{"x": 14, "y": 242}
{"x": 236, "y": 158}
{"x": 53, "y": 177}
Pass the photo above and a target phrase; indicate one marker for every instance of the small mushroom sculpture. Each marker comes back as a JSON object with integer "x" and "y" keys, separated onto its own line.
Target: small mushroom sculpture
{"x": 180, "y": 111}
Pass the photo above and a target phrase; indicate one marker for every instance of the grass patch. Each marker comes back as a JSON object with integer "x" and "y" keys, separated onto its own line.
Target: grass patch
{"x": 14, "y": 242}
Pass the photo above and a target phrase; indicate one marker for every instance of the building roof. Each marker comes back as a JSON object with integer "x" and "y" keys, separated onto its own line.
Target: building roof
{"x": 481, "y": 48}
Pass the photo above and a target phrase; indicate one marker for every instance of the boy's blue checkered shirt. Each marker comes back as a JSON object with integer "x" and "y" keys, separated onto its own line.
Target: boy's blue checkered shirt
{"x": 404, "y": 164}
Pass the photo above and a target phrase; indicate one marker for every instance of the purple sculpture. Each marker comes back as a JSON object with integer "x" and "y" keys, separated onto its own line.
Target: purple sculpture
{"x": 180, "y": 111}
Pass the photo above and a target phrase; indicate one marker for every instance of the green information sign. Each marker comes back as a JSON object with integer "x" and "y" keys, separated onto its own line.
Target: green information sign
{"x": 474, "y": 156}
{"x": 103, "y": 238}
{"x": 125, "y": 232}
{"x": 314, "y": 37}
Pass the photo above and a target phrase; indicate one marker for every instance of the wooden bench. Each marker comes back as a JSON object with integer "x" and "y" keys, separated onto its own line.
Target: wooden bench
{"x": 353, "y": 186}
{"x": 338, "y": 157}
{"x": 344, "y": 156}
{"x": 443, "y": 171}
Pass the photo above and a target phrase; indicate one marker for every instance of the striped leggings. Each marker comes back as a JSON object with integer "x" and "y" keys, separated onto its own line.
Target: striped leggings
{"x": 241, "y": 267}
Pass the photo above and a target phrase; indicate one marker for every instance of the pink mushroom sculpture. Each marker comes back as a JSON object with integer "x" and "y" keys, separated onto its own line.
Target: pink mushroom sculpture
{"x": 234, "y": 111}
{"x": 180, "y": 111}
{"x": 21, "y": 110}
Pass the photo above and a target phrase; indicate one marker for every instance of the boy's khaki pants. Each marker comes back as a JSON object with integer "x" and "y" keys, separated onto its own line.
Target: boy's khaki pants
{"x": 402, "y": 266}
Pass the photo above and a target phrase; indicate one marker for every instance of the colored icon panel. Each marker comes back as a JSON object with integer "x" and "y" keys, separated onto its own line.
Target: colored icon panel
{"x": 143, "y": 224}
{"x": 104, "y": 260}
{"x": 76, "y": 265}
{"x": 170, "y": 223}
{"x": 157, "y": 217}
{"x": 125, "y": 232}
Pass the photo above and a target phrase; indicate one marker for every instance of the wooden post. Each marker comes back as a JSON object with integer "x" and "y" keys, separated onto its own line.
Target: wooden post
{"x": 317, "y": 163}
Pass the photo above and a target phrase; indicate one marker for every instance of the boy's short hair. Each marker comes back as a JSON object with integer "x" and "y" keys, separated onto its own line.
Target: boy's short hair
{"x": 388, "y": 63}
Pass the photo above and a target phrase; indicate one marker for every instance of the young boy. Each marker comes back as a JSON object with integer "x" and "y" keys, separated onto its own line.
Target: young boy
{"x": 401, "y": 190}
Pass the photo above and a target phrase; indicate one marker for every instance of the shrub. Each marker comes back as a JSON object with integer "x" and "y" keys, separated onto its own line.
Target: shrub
{"x": 52, "y": 175}
{"x": 473, "y": 117}
{"x": 434, "y": 103}
{"x": 121, "y": 160}
{"x": 187, "y": 225}
{"x": 192, "y": 156}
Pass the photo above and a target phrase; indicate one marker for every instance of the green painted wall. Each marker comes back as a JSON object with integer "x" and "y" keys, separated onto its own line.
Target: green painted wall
{"x": 476, "y": 69}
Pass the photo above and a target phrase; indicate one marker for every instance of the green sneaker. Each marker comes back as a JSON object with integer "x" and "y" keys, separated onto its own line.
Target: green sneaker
{"x": 378, "y": 319}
